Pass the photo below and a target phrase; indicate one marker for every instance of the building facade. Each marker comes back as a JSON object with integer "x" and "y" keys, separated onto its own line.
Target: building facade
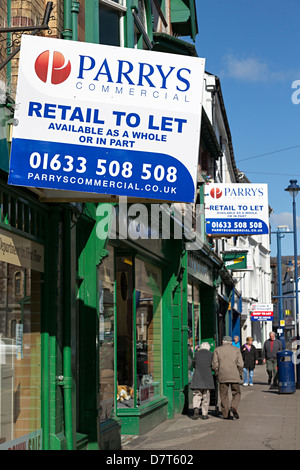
{"x": 94, "y": 331}
{"x": 253, "y": 283}
{"x": 96, "y": 328}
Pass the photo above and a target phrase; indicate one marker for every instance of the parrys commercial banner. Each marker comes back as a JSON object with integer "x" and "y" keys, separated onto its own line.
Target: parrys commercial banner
{"x": 108, "y": 120}
{"x": 236, "y": 209}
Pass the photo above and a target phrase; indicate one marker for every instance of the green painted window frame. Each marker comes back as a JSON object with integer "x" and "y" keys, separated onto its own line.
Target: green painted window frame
{"x": 135, "y": 410}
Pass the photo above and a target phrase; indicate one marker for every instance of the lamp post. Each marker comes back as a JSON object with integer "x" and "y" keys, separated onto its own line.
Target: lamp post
{"x": 280, "y": 234}
{"x": 293, "y": 189}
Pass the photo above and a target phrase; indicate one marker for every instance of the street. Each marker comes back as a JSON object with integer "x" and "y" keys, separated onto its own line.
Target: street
{"x": 268, "y": 421}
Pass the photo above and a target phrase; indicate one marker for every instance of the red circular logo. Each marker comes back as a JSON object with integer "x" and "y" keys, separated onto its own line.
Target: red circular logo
{"x": 53, "y": 67}
{"x": 216, "y": 193}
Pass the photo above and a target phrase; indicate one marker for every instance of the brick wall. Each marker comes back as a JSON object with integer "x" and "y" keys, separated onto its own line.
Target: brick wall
{"x": 3, "y": 23}
{"x": 27, "y": 13}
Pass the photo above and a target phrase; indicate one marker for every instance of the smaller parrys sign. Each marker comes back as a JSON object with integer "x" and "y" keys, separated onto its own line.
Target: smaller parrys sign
{"x": 236, "y": 209}
{"x": 261, "y": 312}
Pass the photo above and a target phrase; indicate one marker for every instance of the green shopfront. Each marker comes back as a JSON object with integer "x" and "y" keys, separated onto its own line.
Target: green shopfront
{"x": 93, "y": 334}
{"x": 135, "y": 297}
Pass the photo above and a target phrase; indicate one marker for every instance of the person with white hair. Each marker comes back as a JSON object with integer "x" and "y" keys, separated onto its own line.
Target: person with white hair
{"x": 202, "y": 381}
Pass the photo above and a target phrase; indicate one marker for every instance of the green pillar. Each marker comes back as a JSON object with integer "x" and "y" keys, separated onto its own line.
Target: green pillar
{"x": 75, "y": 13}
{"x": 69, "y": 296}
{"x": 169, "y": 283}
{"x": 129, "y": 25}
{"x": 52, "y": 410}
{"x": 185, "y": 329}
{"x": 87, "y": 326}
{"x": 180, "y": 339}
{"x": 177, "y": 351}
{"x": 48, "y": 330}
{"x": 92, "y": 21}
{"x": 67, "y": 31}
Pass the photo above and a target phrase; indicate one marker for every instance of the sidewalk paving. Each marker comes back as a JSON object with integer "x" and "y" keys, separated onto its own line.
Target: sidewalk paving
{"x": 268, "y": 421}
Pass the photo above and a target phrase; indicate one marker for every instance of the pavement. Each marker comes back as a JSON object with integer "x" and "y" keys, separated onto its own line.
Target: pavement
{"x": 268, "y": 420}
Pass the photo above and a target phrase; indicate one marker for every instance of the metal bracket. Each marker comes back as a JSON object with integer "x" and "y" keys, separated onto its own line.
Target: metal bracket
{"x": 22, "y": 29}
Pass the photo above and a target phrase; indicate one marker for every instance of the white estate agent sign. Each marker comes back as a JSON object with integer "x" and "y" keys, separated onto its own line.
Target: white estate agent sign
{"x": 108, "y": 120}
{"x": 236, "y": 209}
{"x": 261, "y": 312}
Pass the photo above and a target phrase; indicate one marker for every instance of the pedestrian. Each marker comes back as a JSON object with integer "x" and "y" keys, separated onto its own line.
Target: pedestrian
{"x": 202, "y": 381}
{"x": 190, "y": 356}
{"x": 227, "y": 364}
{"x": 236, "y": 341}
{"x": 249, "y": 354}
{"x": 269, "y": 355}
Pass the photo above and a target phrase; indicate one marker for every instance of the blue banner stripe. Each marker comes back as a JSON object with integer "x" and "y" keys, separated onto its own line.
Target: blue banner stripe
{"x": 101, "y": 170}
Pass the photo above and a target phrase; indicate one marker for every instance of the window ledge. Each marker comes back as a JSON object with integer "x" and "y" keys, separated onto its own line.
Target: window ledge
{"x": 143, "y": 409}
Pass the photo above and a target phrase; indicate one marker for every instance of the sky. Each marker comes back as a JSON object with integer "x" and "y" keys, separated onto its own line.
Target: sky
{"x": 253, "y": 46}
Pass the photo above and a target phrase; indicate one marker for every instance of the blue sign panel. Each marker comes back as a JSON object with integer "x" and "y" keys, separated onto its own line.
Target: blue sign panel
{"x": 100, "y": 170}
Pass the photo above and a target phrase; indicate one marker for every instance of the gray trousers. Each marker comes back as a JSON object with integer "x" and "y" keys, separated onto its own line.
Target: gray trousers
{"x": 272, "y": 370}
{"x": 201, "y": 398}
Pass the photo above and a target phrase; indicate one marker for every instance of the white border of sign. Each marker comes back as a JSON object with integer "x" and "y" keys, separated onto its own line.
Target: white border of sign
{"x": 236, "y": 209}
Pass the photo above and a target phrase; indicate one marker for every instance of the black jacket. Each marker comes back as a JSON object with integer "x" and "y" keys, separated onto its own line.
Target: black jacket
{"x": 249, "y": 357}
{"x": 202, "y": 378}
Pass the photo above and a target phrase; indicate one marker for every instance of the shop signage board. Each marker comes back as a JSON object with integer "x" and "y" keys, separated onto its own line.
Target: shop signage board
{"x": 236, "y": 251}
{"x": 235, "y": 260}
{"x": 261, "y": 312}
{"x": 107, "y": 120}
{"x": 236, "y": 209}
{"x": 31, "y": 441}
{"x": 21, "y": 251}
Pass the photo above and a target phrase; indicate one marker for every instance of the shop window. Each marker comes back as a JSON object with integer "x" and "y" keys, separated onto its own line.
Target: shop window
{"x": 18, "y": 278}
{"x": 20, "y": 352}
{"x": 125, "y": 338}
{"x": 111, "y": 22}
{"x": 139, "y": 371}
{"x": 148, "y": 331}
{"x": 106, "y": 282}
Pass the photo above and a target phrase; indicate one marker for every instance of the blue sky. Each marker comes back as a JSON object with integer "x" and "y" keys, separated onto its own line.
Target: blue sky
{"x": 254, "y": 48}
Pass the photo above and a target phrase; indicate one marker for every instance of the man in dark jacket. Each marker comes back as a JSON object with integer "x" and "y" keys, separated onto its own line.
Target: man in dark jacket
{"x": 202, "y": 381}
{"x": 269, "y": 354}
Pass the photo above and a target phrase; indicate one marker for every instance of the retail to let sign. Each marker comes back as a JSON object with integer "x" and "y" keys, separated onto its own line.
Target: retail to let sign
{"x": 261, "y": 312}
{"x": 107, "y": 120}
{"x": 236, "y": 209}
